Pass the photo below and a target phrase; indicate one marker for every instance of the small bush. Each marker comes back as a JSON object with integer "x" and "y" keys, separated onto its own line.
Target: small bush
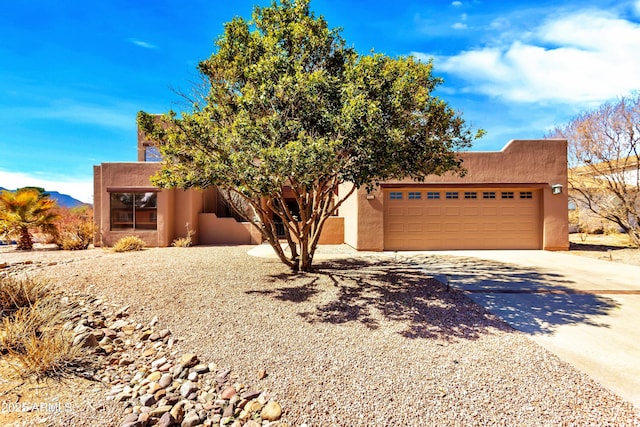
{"x": 75, "y": 228}
{"x": 129, "y": 243}
{"x": 184, "y": 242}
{"x": 32, "y": 333}
{"x": 16, "y": 293}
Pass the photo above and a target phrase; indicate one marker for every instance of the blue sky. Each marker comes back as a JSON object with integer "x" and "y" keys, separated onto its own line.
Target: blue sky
{"x": 73, "y": 74}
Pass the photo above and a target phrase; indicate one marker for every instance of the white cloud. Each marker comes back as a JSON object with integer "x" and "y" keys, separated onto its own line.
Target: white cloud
{"x": 81, "y": 189}
{"x": 456, "y": 3}
{"x": 143, "y": 44}
{"x": 118, "y": 115}
{"x": 459, "y": 26}
{"x": 588, "y": 57}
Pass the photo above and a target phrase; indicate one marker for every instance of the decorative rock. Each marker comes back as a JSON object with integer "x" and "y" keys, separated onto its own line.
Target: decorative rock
{"x": 160, "y": 410}
{"x": 271, "y": 412}
{"x": 187, "y": 388}
{"x": 253, "y": 406}
{"x": 200, "y": 368}
{"x": 85, "y": 340}
{"x": 188, "y": 360}
{"x": 165, "y": 380}
{"x": 153, "y": 387}
{"x": 154, "y": 376}
{"x": 130, "y": 418}
{"x": 250, "y": 394}
{"x": 228, "y": 411}
{"x": 191, "y": 420}
{"x": 149, "y": 352}
{"x": 144, "y": 418}
{"x": 118, "y": 324}
{"x": 262, "y": 374}
{"x": 166, "y": 420}
{"x": 147, "y": 400}
{"x": 177, "y": 412}
{"x": 159, "y": 362}
{"x": 228, "y": 393}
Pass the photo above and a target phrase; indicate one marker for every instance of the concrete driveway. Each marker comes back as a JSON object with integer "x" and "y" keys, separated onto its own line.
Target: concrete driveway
{"x": 584, "y": 310}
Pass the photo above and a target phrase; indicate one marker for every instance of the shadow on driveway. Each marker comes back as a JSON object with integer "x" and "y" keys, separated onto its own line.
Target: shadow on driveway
{"x": 530, "y": 300}
{"x": 411, "y": 291}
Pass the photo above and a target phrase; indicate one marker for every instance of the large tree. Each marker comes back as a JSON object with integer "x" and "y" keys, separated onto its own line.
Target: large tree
{"x": 288, "y": 108}
{"x": 25, "y": 210}
{"x": 604, "y": 166}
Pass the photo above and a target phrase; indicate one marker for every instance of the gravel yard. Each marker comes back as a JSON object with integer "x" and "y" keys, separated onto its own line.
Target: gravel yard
{"x": 366, "y": 341}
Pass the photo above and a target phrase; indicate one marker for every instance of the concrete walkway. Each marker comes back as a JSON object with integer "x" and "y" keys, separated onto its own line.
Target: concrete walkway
{"x": 586, "y": 311}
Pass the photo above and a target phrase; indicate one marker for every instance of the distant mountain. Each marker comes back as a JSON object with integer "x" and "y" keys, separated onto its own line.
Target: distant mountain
{"x": 63, "y": 200}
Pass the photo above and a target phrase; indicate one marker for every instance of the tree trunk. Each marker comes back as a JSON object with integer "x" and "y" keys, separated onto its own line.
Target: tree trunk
{"x": 25, "y": 243}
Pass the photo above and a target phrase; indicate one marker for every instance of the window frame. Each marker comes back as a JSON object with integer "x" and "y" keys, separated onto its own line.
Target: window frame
{"x": 138, "y": 210}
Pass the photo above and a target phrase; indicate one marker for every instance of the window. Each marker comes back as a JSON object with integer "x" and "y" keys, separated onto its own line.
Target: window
{"x": 395, "y": 195}
{"x": 136, "y": 211}
{"x": 152, "y": 153}
{"x": 507, "y": 194}
{"x": 526, "y": 195}
{"x": 489, "y": 195}
{"x": 452, "y": 195}
{"x": 415, "y": 195}
{"x": 433, "y": 195}
{"x": 470, "y": 195}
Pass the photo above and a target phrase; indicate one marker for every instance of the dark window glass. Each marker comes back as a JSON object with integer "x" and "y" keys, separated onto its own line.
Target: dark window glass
{"x": 134, "y": 211}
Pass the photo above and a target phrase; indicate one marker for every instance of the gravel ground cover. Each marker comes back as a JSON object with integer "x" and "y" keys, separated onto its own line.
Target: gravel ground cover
{"x": 367, "y": 341}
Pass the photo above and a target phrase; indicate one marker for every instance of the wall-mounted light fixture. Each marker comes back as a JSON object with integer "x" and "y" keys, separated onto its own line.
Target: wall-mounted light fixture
{"x": 556, "y": 189}
{"x": 370, "y": 196}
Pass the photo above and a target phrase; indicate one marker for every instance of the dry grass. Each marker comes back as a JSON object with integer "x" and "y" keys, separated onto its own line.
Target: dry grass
{"x": 32, "y": 337}
{"x": 16, "y": 293}
{"x": 613, "y": 247}
{"x": 129, "y": 243}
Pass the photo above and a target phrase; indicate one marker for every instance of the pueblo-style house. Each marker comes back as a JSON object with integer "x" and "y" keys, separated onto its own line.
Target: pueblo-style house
{"x": 514, "y": 198}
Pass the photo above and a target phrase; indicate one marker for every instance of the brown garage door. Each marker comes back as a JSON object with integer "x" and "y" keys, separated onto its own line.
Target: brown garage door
{"x": 450, "y": 218}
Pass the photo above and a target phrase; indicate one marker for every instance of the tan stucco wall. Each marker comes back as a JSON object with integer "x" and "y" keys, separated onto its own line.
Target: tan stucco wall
{"x": 332, "y": 231}
{"x": 215, "y": 231}
{"x": 537, "y": 164}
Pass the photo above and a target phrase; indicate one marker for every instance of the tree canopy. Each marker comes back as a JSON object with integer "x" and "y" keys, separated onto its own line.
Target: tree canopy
{"x": 604, "y": 163}
{"x": 287, "y": 104}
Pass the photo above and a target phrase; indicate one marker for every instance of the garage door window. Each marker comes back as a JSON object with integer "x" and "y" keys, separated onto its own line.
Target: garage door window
{"x": 526, "y": 195}
{"x": 433, "y": 195}
{"x": 507, "y": 194}
{"x": 470, "y": 195}
{"x": 452, "y": 195}
{"x": 395, "y": 195}
{"x": 489, "y": 195}
{"x": 415, "y": 195}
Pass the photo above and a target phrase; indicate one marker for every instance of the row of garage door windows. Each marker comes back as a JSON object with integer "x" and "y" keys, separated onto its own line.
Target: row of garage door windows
{"x": 433, "y": 195}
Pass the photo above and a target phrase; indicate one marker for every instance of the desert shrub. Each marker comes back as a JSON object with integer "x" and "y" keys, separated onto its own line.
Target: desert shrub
{"x": 184, "y": 242}
{"x": 129, "y": 243}
{"x": 32, "y": 333}
{"x": 75, "y": 228}
{"x": 16, "y": 293}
